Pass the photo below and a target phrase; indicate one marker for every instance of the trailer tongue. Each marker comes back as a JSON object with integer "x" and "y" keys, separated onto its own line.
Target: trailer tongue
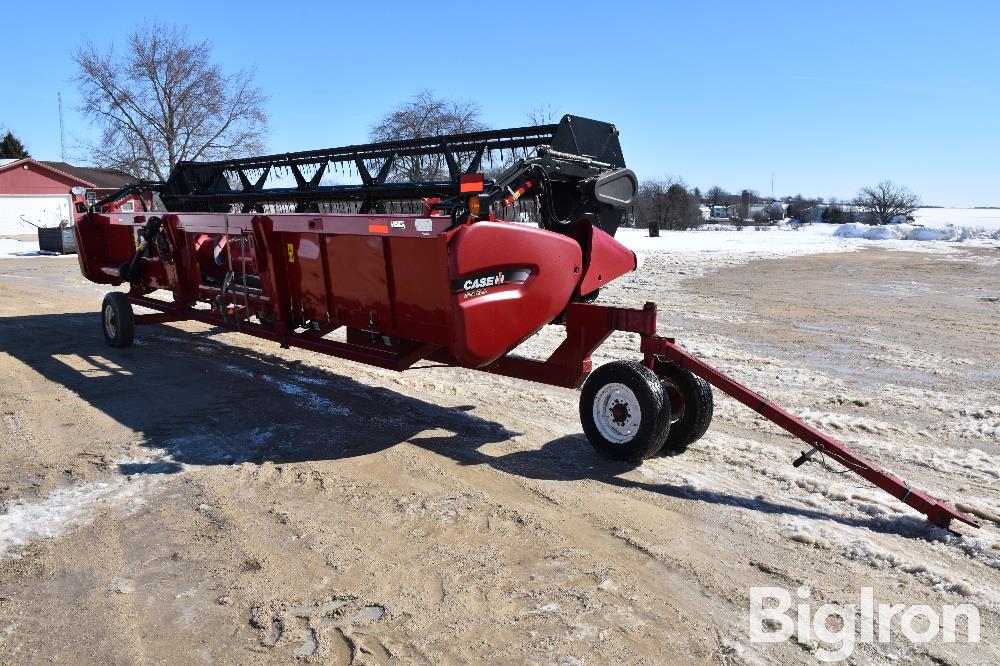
{"x": 410, "y": 269}
{"x": 938, "y": 512}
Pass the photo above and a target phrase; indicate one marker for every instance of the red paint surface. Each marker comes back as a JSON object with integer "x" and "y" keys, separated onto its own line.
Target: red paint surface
{"x": 604, "y": 258}
{"x": 488, "y": 326}
{"x": 329, "y": 272}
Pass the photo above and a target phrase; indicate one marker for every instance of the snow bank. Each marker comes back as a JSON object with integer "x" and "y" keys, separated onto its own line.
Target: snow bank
{"x": 948, "y": 232}
{"x": 932, "y": 224}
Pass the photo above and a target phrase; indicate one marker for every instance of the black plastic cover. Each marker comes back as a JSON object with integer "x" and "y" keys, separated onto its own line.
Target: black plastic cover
{"x": 590, "y": 138}
{"x": 616, "y": 188}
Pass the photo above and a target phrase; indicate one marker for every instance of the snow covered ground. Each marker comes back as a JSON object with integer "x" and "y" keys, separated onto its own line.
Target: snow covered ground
{"x": 988, "y": 218}
{"x": 11, "y": 248}
{"x": 937, "y": 229}
{"x": 781, "y": 240}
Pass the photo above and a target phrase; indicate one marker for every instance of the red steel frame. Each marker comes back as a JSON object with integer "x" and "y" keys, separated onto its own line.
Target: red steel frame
{"x": 309, "y": 340}
{"x": 587, "y": 326}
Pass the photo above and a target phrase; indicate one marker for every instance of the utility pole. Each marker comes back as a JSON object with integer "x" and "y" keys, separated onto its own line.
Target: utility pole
{"x": 62, "y": 130}
{"x": 772, "y": 186}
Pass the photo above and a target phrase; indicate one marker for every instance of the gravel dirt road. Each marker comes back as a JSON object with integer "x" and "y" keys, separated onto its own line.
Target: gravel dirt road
{"x": 205, "y": 497}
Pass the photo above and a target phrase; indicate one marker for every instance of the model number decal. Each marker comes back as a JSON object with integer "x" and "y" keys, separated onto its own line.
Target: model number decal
{"x": 477, "y": 283}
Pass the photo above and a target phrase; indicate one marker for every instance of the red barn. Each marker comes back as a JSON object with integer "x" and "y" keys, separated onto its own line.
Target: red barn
{"x": 39, "y": 192}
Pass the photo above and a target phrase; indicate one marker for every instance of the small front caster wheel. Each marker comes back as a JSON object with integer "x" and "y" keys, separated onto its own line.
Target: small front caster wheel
{"x": 625, "y": 411}
{"x": 118, "y": 320}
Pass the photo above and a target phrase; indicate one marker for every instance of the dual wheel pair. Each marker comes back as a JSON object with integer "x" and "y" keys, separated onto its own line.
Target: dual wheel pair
{"x": 631, "y": 412}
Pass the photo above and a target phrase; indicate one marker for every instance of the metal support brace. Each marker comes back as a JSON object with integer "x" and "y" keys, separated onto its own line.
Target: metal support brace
{"x": 937, "y": 511}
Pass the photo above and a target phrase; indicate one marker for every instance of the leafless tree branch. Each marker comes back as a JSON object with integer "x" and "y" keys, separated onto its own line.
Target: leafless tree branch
{"x": 425, "y": 115}
{"x": 665, "y": 204}
{"x": 886, "y": 201}
{"x": 162, "y": 101}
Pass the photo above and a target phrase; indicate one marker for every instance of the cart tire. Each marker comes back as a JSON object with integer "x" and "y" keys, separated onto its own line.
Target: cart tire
{"x": 625, "y": 411}
{"x": 117, "y": 320}
{"x": 692, "y": 402}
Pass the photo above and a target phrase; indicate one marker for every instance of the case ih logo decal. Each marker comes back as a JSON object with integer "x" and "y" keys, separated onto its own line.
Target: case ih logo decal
{"x": 478, "y": 283}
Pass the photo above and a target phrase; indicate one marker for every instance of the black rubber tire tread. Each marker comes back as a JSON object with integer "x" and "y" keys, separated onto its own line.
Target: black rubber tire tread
{"x": 699, "y": 406}
{"x": 125, "y": 333}
{"x": 654, "y": 404}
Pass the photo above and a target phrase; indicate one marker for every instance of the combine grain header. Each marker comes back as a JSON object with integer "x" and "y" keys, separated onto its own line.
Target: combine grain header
{"x": 408, "y": 268}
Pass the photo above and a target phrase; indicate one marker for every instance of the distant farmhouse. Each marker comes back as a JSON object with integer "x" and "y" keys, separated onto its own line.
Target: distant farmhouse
{"x": 775, "y": 210}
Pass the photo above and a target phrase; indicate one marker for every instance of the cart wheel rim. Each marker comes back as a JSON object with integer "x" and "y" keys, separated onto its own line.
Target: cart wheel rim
{"x": 616, "y": 413}
{"x": 110, "y": 321}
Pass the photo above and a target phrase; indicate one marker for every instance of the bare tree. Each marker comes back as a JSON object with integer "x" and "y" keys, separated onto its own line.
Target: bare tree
{"x": 886, "y": 201}
{"x": 425, "y": 115}
{"x": 543, "y": 115}
{"x": 162, "y": 101}
{"x": 716, "y": 196}
{"x": 665, "y": 204}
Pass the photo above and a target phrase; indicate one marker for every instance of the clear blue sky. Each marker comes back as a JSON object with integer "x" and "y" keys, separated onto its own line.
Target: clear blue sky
{"x": 827, "y": 96}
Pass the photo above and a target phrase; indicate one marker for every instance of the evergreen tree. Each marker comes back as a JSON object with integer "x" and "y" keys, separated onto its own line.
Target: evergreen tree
{"x": 12, "y": 148}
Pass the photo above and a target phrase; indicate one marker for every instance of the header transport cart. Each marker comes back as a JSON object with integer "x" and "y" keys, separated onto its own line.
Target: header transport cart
{"x": 428, "y": 269}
